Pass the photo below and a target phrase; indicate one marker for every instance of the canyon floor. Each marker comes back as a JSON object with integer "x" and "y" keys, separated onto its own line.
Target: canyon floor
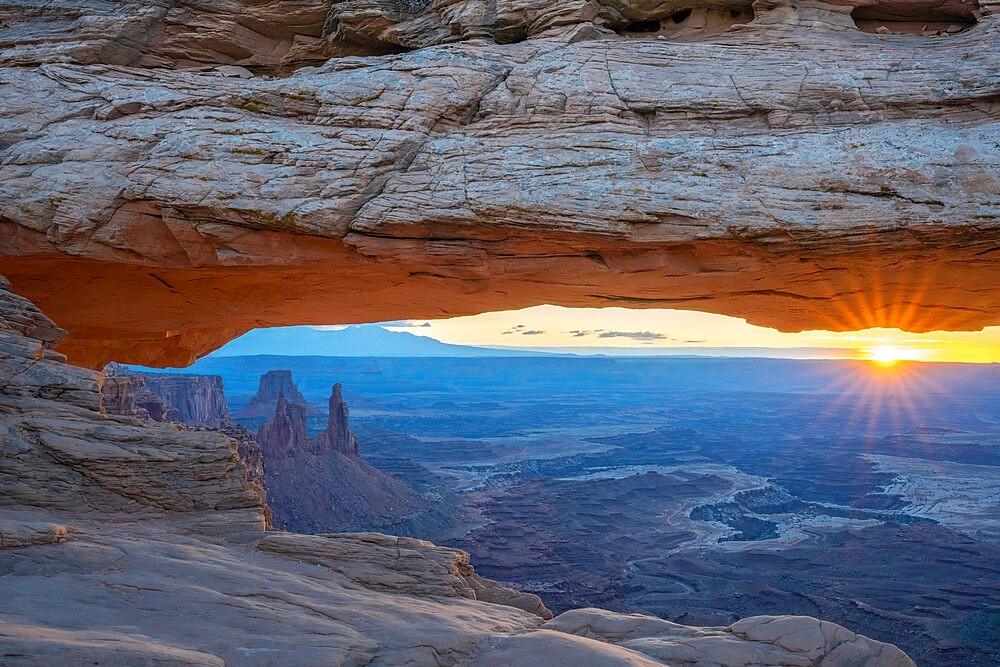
{"x": 699, "y": 490}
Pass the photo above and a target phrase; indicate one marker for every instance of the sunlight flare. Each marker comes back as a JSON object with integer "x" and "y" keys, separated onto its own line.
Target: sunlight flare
{"x": 889, "y": 355}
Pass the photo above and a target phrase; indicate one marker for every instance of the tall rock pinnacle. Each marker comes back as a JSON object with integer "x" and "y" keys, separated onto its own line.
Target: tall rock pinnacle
{"x": 285, "y": 435}
{"x": 338, "y": 437}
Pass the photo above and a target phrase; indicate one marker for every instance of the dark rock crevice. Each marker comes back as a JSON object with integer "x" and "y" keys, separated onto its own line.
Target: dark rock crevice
{"x": 689, "y": 23}
{"x": 926, "y": 18}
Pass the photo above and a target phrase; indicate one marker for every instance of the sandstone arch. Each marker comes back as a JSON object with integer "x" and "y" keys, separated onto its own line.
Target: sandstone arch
{"x": 793, "y": 170}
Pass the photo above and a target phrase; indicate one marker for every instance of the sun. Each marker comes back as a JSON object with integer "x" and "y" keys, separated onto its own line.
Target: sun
{"x": 888, "y": 355}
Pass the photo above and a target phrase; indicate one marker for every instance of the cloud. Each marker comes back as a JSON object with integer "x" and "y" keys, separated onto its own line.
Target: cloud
{"x": 579, "y": 333}
{"x": 695, "y": 341}
{"x": 523, "y": 330}
{"x": 641, "y": 336}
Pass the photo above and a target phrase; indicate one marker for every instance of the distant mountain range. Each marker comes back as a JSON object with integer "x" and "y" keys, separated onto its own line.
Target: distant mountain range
{"x": 363, "y": 340}
{"x": 373, "y": 340}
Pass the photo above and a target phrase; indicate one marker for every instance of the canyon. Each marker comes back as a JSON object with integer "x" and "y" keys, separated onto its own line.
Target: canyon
{"x": 322, "y": 484}
{"x": 177, "y": 172}
{"x": 698, "y": 490}
{"x": 128, "y": 541}
{"x": 784, "y": 165}
{"x": 311, "y": 484}
{"x": 194, "y": 400}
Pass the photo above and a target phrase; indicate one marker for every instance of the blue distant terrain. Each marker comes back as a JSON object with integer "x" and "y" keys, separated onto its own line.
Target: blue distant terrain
{"x": 364, "y": 340}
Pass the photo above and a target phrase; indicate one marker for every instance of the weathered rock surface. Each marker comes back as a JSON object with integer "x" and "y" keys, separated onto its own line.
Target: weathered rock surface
{"x": 126, "y": 541}
{"x": 285, "y": 434}
{"x": 418, "y": 567}
{"x": 127, "y": 393}
{"x": 759, "y": 640}
{"x": 195, "y": 400}
{"x": 119, "y": 397}
{"x": 60, "y": 453}
{"x": 249, "y": 451}
{"x": 776, "y": 163}
{"x": 273, "y": 386}
{"x": 24, "y": 533}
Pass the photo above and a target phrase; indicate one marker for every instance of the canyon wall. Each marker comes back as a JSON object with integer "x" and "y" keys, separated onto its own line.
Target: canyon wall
{"x": 129, "y": 396}
{"x": 198, "y": 399}
{"x": 61, "y": 454}
{"x": 198, "y": 168}
{"x": 119, "y": 537}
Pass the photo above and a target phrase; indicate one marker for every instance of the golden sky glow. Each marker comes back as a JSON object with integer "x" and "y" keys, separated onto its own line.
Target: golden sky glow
{"x": 554, "y": 326}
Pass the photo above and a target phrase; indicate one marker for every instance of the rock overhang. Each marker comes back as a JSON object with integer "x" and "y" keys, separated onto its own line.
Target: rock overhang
{"x": 793, "y": 170}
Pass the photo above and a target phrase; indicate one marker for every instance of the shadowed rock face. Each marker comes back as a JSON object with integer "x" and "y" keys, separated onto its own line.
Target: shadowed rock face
{"x": 773, "y": 162}
{"x": 285, "y": 432}
{"x": 198, "y": 399}
{"x": 129, "y": 396}
{"x": 337, "y": 436}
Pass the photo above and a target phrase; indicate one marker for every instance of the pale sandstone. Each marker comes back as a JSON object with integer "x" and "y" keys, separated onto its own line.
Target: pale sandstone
{"x": 24, "y": 645}
{"x": 416, "y": 566}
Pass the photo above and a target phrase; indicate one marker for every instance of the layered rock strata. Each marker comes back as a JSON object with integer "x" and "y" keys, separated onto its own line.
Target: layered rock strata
{"x": 194, "y": 400}
{"x": 118, "y": 397}
{"x": 249, "y": 451}
{"x": 285, "y": 434}
{"x": 126, "y": 541}
{"x": 61, "y": 454}
{"x": 199, "y": 400}
{"x": 127, "y": 394}
{"x": 775, "y": 162}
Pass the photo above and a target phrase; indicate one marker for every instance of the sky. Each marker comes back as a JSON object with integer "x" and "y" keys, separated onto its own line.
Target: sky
{"x": 625, "y": 330}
